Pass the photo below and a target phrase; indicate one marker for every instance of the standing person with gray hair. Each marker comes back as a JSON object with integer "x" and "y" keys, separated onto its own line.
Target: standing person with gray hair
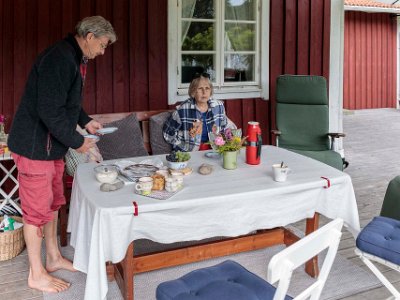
{"x": 43, "y": 129}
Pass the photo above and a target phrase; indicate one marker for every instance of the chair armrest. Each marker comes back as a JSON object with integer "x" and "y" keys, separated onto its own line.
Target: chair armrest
{"x": 336, "y": 135}
{"x": 276, "y": 132}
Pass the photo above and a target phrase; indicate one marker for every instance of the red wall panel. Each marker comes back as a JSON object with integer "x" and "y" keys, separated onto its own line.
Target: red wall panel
{"x": 370, "y": 61}
{"x": 299, "y": 41}
{"x": 132, "y": 75}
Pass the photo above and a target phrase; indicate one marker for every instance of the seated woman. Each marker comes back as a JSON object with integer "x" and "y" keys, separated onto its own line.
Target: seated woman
{"x": 188, "y": 127}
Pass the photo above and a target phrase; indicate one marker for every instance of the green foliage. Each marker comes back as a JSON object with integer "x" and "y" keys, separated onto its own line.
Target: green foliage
{"x": 242, "y": 39}
{"x": 178, "y": 156}
{"x": 201, "y": 40}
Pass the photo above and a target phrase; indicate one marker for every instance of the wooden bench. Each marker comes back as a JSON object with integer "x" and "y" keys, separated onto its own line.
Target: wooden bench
{"x": 143, "y": 117}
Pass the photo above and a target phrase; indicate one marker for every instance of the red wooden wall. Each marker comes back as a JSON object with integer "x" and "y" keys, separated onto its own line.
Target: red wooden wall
{"x": 370, "y": 61}
{"x": 132, "y": 75}
{"x": 300, "y": 40}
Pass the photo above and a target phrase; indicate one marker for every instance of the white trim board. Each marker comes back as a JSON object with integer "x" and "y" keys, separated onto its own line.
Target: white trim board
{"x": 369, "y": 9}
{"x": 336, "y": 69}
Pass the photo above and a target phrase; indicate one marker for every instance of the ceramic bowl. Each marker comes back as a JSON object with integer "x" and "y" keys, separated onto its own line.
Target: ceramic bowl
{"x": 106, "y": 173}
{"x": 178, "y": 165}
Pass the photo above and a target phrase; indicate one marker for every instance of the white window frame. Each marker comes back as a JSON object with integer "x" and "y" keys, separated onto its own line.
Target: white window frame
{"x": 233, "y": 90}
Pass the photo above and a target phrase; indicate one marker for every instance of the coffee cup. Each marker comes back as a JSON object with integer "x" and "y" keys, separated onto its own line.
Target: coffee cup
{"x": 144, "y": 186}
{"x": 280, "y": 172}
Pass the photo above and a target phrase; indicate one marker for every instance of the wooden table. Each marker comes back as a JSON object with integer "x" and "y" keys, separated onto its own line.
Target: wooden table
{"x": 245, "y": 205}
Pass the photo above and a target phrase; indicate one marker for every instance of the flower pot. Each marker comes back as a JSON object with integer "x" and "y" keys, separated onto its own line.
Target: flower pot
{"x": 230, "y": 160}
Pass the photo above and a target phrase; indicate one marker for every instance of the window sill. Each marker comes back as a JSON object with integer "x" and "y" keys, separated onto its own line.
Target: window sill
{"x": 223, "y": 94}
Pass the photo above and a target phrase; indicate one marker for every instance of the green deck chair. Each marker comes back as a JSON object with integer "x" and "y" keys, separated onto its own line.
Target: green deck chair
{"x": 302, "y": 119}
{"x": 391, "y": 202}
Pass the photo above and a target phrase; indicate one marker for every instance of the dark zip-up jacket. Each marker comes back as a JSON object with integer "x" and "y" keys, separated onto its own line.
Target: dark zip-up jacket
{"x": 44, "y": 126}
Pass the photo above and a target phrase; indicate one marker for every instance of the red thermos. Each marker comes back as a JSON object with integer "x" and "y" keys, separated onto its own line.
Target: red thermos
{"x": 254, "y": 143}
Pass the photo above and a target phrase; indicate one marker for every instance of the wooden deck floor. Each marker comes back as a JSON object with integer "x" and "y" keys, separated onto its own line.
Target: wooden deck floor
{"x": 372, "y": 147}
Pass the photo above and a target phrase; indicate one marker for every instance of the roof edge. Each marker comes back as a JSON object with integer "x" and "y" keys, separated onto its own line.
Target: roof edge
{"x": 370, "y": 9}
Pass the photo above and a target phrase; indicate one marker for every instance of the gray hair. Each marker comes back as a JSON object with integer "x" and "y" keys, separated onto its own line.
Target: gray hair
{"x": 194, "y": 84}
{"x": 98, "y": 26}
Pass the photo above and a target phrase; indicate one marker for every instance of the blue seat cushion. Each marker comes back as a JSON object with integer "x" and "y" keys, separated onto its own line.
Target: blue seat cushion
{"x": 381, "y": 237}
{"x": 225, "y": 281}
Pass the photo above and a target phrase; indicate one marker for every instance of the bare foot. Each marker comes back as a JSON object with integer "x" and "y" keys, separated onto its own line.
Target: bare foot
{"x": 47, "y": 283}
{"x": 58, "y": 264}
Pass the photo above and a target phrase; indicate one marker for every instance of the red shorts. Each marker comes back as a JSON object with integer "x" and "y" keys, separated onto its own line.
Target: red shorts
{"x": 41, "y": 188}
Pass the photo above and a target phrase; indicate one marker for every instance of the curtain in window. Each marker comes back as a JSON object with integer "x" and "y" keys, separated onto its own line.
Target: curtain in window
{"x": 188, "y": 7}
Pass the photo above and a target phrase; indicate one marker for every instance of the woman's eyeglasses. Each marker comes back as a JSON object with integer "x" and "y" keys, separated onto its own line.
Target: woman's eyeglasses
{"x": 198, "y": 75}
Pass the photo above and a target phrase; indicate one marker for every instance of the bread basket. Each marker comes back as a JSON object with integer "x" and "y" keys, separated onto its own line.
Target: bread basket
{"x": 11, "y": 242}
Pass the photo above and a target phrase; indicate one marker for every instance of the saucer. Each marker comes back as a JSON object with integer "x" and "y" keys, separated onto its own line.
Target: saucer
{"x": 107, "y": 130}
{"x": 212, "y": 154}
{"x": 92, "y": 136}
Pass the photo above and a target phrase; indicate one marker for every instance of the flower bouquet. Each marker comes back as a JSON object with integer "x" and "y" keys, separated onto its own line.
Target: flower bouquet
{"x": 227, "y": 142}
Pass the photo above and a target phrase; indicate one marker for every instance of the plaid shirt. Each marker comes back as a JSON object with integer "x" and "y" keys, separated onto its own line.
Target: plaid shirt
{"x": 176, "y": 128}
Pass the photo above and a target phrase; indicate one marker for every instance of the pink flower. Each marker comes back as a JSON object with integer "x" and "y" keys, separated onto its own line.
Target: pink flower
{"x": 228, "y": 134}
{"x": 219, "y": 141}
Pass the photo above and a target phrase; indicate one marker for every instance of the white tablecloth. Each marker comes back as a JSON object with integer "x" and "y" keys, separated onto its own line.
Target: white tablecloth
{"x": 225, "y": 203}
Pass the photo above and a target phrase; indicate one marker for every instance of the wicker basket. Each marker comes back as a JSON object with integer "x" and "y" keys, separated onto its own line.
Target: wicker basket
{"x": 11, "y": 242}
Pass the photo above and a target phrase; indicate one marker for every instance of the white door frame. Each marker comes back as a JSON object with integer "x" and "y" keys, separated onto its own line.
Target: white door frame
{"x": 336, "y": 69}
{"x": 397, "y": 64}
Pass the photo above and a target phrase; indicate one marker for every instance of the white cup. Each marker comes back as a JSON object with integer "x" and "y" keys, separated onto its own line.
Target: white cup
{"x": 144, "y": 186}
{"x": 280, "y": 173}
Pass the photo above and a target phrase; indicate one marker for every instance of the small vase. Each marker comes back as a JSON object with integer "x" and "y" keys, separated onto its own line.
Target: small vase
{"x": 230, "y": 160}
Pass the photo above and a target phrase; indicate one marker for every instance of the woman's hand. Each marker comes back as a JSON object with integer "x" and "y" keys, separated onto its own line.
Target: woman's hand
{"x": 196, "y": 129}
{"x": 93, "y": 126}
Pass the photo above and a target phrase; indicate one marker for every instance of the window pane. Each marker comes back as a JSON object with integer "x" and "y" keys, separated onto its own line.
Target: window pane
{"x": 197, "y": 36}
{"x": 239, "y": 67}
{"x": 197, "y": 63}
{"x": 240, "y": 9}
{"x": 239, "y": 37}
{"x": 200, "y": 9}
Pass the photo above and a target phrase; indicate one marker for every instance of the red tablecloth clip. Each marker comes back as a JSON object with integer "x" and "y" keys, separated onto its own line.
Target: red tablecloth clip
{"x": 136, "y": 210}
{"x": 328, "y": 182}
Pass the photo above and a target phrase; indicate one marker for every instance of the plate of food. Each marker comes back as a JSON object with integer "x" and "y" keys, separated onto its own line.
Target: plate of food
{"x": 107, "y": 130}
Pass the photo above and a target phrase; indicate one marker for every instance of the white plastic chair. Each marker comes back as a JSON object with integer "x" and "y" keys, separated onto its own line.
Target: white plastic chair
{"x": 212, "y": 281}
{"x": 368, "y": 258}
{"x": 281, "y": 266}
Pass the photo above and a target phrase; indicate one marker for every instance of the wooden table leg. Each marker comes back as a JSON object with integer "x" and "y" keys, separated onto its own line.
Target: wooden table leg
{"x": 312, "y": 265}
{"x": 124, "y": 274}
{"x": 128, "y": 273}
{"x": 110, "y": 271}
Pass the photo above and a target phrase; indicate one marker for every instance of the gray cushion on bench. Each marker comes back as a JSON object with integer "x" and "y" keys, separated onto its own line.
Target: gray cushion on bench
{"x": 157, "y": 142}
{"x": 127, "y": 141}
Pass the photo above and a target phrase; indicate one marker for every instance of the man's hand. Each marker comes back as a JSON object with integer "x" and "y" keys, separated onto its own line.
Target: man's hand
{"x": 87, "y": 144}
{"x": 93, "y": 126}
